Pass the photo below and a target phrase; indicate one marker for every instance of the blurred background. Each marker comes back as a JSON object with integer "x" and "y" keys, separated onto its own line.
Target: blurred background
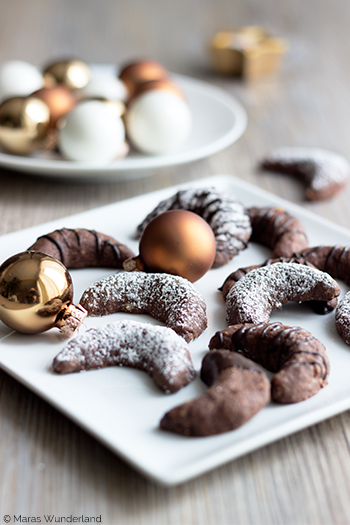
{"x": 305, "y": 104}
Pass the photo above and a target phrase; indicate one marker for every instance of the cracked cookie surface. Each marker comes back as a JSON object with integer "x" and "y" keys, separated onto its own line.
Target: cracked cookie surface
{"x": 171, "y": 299}
{"x": 156, "y": 350}
{"x": 259, "y": 292}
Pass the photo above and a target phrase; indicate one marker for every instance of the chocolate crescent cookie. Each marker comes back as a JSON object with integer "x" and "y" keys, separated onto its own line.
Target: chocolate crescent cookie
{"x": 227, "y": 218}
{"x": 265, "y": 289}
{"x": 324, "y": 172}
{"x": 82, "y": 248}
{"x": 299, "y": 359}
{"x": 319, "y": 307}
{"x": 334, "y": 260}
{"x": 278, "y": 230}
{"x": 342, "y": 318}
{"x": 238, "y": 390}
{"x": 168, "y": 298}
{"x": 156, "y": 350}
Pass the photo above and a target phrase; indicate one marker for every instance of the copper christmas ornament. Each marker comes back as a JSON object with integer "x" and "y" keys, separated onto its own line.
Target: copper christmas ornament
{"x": 24, "y": 124}
{"x": 138, "y": 72}
{"x": 58, "y": 99}
{"x": 74, "y": 74}
{"x": 152, "y": 85}
{"x": 36, "y": 292}
{"x": 178, "y": 242}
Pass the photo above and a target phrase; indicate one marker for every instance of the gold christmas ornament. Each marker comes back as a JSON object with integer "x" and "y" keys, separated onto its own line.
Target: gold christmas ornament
{"x": 24, "y": 124}
{"x": 36, "y": 292}
{"x": 74, "y": 74}
{"x": 250, "y": 52}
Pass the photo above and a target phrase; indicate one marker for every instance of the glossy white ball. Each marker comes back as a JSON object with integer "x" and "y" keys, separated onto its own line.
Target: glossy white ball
{"x": 19, "y": 78}
{"x": 158, "y": 122}
{"x": 93, "y": 132}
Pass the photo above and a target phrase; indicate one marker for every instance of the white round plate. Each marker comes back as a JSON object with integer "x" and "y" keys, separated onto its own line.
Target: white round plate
{"x": 218, "y": 121}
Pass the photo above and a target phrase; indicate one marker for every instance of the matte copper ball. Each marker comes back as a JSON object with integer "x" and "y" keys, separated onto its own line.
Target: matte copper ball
{"x": 138, "y": 72}
{"x": 59, "y": 101}
{"x": 178, "y": 242}
{"x": 36, "y": 292}
{"x": 24, "y": 124}
{"x": 152, "y": 85}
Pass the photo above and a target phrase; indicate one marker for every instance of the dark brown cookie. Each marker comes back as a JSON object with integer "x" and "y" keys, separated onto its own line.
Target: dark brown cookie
{"x": 168, "y": 298}
{"x": 319, "y": 307}
{"x": 267, "y": 288}
{"x": 156, "y": 350}
{"x": 238, "y": 390}
{"x": 324, "y": 172}
{"x": 82, "y": 248}
{"x": 334, "y": 260}
{"x": 342, "y": 318}
{"x": 227, "y": 218}
{"x": 275, "y": 228}
{"x": 299, "y": 359}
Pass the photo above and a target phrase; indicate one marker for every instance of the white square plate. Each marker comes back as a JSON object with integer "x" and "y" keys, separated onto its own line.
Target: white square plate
{"x": 122, "y": 407}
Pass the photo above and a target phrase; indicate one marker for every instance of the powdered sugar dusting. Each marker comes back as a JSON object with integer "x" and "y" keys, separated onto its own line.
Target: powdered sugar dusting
{"x": 226, "y": 216}
{"x": 342, "y": 318}
{"x": 254, "y": 296}
{"x": 154, "y": 349}
{"x": 168, "y": 298}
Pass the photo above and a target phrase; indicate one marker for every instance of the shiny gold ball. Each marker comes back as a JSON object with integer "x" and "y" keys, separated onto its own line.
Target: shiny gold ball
{"x": 138, "y": 72}
{"x": 35, "y": 289}
{"x": 74, "y": 74}
{"x": 24, "y": 124}
{"x": 178, "y": 242}
{"x": 58, "y": 99}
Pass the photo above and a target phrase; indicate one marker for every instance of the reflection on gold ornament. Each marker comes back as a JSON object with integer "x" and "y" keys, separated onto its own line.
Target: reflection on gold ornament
{"x": 36, "y": 292}
{"x": 24, "y": 124}
{"x": 74, "y": 74}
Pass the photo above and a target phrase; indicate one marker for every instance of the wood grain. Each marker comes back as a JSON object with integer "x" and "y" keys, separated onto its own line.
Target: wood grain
{"x": 47, "y": 464}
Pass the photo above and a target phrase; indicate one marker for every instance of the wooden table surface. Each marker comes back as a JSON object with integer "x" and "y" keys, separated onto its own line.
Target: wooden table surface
{"x": 48, "y": 465}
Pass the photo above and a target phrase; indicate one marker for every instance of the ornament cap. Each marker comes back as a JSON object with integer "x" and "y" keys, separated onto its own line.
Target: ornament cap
{"x": 134, "y": 264}
{"x": 70, "y": 319}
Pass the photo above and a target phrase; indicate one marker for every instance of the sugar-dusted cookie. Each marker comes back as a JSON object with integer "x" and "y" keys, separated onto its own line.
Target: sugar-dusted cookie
{"x": 156, "y": 350}
{"x": 168, "y": 298}
{"x": 342, "y": 318}
{"x": 259, "y": 292}
{"x": 299, "y": 359}
{"x": 239, "y": 388}
{"x": 319, "y": 307}
{"x": 82, "y": 248}
{"x": 324, "y": 172}
{"x": 227, "y": 218}
{"x": 277, "y": 229}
